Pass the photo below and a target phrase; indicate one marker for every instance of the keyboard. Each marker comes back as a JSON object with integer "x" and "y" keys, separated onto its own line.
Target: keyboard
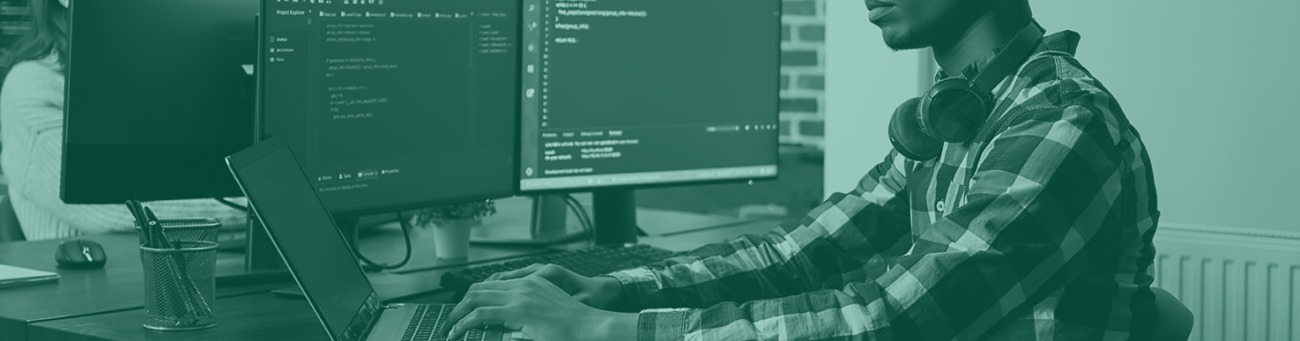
{"x": 590, "y": 262}
{"x": 429, "y": 324}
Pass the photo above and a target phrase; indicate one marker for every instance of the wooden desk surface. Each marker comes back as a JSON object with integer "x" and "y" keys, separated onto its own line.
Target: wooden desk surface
{"x": 117, "y": 286}
{"x": 239, "y": 318}
{"x": 264, "y": 316}
{"x": 260, "y": 316}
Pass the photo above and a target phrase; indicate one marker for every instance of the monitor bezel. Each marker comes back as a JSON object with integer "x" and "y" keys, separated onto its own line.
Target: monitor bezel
{"x": 776, "y": 150}
{"x": 581, "y": 189}
{"x": 80, "y": 186}
{"x": 259, "y": 132}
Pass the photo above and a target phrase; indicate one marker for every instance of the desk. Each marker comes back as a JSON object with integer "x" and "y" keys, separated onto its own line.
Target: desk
{"x": 259, "y": 315}
{"x": 116, "y": 287}
{"x": 119, "y": 285}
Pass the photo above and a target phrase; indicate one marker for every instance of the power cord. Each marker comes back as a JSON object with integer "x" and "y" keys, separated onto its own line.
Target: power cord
{"x": 581, "y": 213}
{"x": 235, "y": 206}
{"x": 371, "y": 265}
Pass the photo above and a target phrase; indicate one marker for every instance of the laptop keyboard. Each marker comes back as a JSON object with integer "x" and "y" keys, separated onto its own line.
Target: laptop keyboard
{"x": 429, "y": 324}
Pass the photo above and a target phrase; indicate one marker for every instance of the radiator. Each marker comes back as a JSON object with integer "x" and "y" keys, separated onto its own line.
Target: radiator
{"x": 1242, "y": 284}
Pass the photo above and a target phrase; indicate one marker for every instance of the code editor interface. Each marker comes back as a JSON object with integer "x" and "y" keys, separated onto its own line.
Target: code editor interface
{"x": 627, "y": 92}
{"x": 394, "y": 101}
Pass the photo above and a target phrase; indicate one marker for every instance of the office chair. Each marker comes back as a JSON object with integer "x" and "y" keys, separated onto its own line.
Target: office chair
{"x": 1173, "y": 321}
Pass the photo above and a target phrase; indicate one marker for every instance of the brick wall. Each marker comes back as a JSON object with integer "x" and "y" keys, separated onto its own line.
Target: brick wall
{"x": 803, "y": 80}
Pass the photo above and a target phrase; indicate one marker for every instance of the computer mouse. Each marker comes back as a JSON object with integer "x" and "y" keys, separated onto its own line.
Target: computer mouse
{"x": 80, "y": 254}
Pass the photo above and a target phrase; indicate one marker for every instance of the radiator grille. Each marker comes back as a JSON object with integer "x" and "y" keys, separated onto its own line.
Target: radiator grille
{"x": 1240, "y": 283}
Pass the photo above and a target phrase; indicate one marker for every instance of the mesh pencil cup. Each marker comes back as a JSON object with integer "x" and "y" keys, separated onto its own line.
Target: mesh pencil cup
{"x": 189, "y": 229}
{"x": 180, "y": 286}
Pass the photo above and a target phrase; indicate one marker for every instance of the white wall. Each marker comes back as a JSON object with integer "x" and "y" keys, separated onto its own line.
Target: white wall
{"x": 1213, "y": 87}
{"x": 865, "y": 81}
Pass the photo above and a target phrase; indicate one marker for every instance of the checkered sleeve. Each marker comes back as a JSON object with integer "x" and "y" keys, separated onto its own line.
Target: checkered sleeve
{"x": 1040, "y": 193}
{"x": 843, "y": 238}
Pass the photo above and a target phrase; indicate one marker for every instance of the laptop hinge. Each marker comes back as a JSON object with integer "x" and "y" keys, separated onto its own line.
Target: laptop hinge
{"x": 366, "y": 317}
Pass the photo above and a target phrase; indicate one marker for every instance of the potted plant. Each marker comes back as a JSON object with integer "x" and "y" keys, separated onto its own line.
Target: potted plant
{"x": 451, "y": 225}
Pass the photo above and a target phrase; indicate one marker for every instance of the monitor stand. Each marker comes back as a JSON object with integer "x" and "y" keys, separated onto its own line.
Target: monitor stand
{"x": 547, "y": 225}
{"x": 262, "y": 262}
{"x": 348, "y": 226}
{"x": 260, "y": 254}
{"x": 615, "y": 216}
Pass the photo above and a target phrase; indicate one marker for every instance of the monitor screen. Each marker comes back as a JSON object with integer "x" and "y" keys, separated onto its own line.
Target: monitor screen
{"x": 642, "y": 92}
{"x": 303, "y": 232}
{"x": 158, "y": 93}
{"x": 394, "y": 104}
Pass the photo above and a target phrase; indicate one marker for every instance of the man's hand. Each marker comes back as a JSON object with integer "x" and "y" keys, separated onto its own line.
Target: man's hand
{"x": 604, "y": 293}
{"x": 539, "y": 309}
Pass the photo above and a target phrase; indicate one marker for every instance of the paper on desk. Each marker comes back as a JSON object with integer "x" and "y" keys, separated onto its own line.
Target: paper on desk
{"x": 12, "y": 276}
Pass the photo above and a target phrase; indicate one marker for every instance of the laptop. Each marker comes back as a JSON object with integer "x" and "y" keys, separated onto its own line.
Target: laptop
{"x": 319, "y": 258}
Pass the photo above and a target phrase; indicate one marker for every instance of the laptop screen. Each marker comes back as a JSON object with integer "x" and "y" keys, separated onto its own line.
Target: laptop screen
{"x": 305, "y": 234}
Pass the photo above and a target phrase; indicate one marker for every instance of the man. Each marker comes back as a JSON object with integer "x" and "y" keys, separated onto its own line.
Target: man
{"x": 1038, "y": 230}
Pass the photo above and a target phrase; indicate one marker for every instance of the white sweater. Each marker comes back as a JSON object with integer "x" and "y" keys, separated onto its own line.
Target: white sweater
{"x": 31, "y": 136}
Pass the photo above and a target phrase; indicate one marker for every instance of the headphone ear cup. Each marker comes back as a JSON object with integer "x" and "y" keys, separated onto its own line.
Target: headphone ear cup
{"x": 952, "y": 111}
{"x": 906, "y": 136}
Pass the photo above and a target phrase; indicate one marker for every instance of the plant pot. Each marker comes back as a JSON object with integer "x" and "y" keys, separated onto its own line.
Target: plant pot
{"x": 451, "y": 238}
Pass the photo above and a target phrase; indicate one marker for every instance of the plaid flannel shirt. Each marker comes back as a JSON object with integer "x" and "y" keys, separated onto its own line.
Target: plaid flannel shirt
{"x": 1038, "y": 229}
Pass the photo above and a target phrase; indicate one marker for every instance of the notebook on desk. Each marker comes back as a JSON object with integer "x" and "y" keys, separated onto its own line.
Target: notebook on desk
{"x": 12, "y": 276}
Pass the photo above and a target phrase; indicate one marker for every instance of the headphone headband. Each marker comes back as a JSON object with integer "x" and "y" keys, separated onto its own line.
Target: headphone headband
{"x": 1009, "y": 58}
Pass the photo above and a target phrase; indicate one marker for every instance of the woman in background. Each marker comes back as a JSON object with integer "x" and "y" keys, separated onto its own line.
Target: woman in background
{"x": 31, "y": 140}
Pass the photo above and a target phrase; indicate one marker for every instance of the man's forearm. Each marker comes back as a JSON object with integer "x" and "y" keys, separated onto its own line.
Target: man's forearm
{"x": 619, "y": 326}
{"x": 834, "y": 241}
{"x": 615, "y": 296}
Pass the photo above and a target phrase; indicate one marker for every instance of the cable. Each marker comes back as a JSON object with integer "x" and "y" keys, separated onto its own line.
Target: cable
{"x": 406, "y": 235}
{"x": 235, "y": 206}
{"x": 581, "y": 213}
{"x": 582, "y": 218}
{"x": 578, "y": 211}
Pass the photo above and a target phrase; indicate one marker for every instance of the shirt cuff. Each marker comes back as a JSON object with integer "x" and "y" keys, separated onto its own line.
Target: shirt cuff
{"x": 662, "y": 324}
{"x": 641, "y": 287}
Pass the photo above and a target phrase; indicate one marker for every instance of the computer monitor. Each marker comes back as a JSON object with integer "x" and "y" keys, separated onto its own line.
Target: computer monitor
{"x": 158, "y": 93}
{"x": 624, "y": 94}
{"x": 394, "y": 104}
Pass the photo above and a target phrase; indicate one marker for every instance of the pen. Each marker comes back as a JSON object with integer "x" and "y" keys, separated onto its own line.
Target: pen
{"x": 159, "y": 235}
{"x": 194, "y": 304}
{"x": 151, "y": 235}
{"x": 134, "y": 207}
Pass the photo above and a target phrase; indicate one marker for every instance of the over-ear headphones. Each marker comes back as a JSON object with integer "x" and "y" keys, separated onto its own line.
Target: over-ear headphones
{"x": 954, "y": 108}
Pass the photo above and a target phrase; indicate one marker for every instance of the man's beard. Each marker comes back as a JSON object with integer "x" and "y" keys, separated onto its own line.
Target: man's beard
{"x": 910, "y": 39}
